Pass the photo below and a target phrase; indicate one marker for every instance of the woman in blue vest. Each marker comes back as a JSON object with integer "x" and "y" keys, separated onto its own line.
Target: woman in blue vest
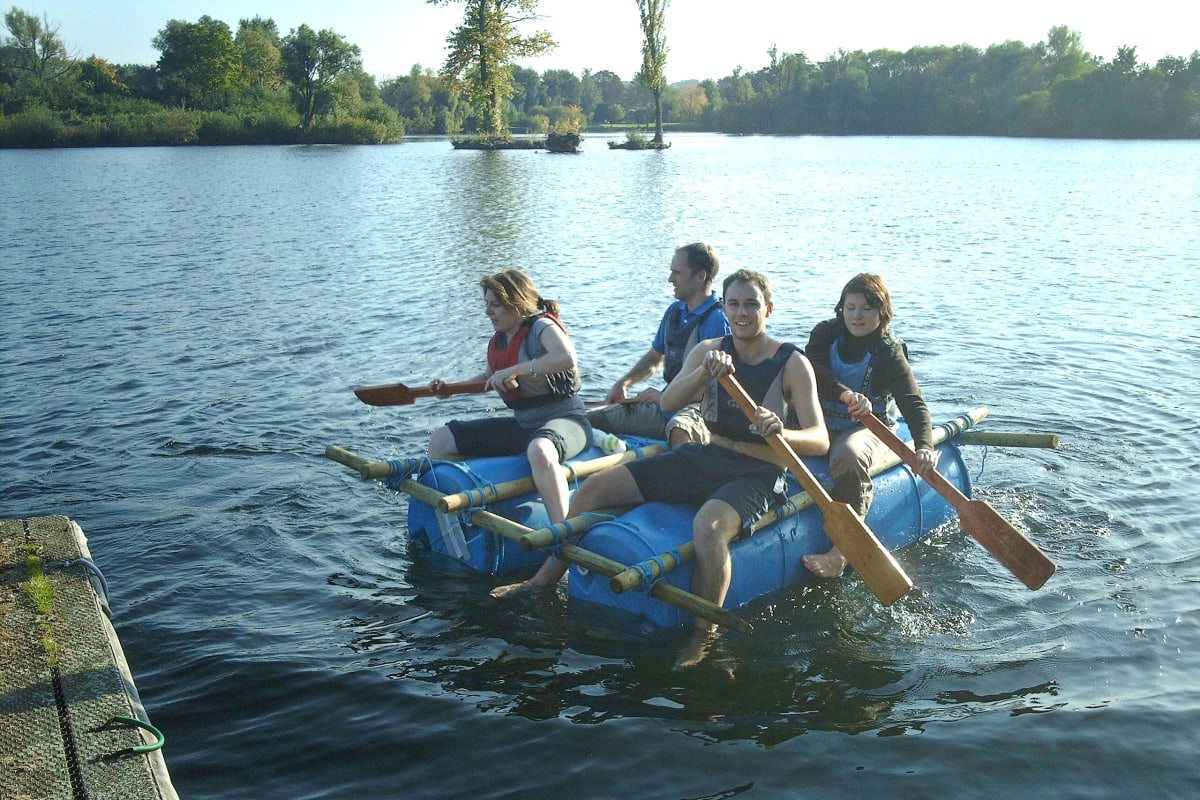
{"x": 862, "y": 367}
{"x": 531, "y": 363}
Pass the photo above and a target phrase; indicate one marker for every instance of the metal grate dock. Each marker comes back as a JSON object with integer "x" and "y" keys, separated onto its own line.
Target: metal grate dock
{"x": 63, "y": 677}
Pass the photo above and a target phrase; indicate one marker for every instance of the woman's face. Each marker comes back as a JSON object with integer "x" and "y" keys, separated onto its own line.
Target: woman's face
{"x": 504, "y": 319}
{"x": 860, "y": 316}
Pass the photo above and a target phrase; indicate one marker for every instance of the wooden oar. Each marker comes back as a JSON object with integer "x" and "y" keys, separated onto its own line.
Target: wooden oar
{"x": 870, "y": 559}
{"x": 397, "y": 394}
{"x": 1021, "y": 556}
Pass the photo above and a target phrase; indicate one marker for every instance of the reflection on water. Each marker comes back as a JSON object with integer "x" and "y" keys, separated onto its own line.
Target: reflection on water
{"x": 182, "y": 328}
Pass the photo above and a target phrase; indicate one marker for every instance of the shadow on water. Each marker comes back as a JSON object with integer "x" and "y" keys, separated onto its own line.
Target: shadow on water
{"x": 823, "y": 658}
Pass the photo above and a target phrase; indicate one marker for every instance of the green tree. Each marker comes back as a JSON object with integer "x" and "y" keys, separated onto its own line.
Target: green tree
{"x": 589, "y": 93}
{"x": 258, "y": 45}
{"x": 483, "y": 49}
{"x": 562, "y": 87}
{"x": 200, "y": 64}
{"x": 33, "y": 55}
{"x": 652, "y": 75}
{"x": 1065, "y": 56}
{"x": 314, "y": 62}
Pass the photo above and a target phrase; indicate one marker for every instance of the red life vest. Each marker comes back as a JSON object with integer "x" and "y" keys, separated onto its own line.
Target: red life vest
{"x": 530, "y": 390}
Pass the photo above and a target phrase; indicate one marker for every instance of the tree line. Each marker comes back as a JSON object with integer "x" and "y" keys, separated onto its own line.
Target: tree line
{"x": 209, "y": 86}
{"x": 215, "y": 85}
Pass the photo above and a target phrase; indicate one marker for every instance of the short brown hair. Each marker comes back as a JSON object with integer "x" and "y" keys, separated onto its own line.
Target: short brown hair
{"x": 701, "y": 256}
{"x": 875, "y": 289}
{"x": 756, "y": 279}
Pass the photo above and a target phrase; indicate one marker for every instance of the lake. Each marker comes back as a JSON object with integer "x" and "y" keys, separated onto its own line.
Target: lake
{"x": 182, "y": 329}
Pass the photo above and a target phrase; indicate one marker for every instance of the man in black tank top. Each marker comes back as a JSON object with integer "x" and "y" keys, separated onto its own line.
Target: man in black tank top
{"x": 734, "y": 479}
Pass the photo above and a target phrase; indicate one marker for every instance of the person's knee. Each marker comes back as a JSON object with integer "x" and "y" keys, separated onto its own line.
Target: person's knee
{"x": 603, "y": 489}
{"x": 441, "y": 443}
{"x": 542, "y": 453}
{"x": 715, "y": 525}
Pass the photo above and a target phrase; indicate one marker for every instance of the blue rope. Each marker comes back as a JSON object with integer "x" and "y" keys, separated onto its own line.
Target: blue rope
{"x": 401, "y": 468}
{"x": 644, "y": 570}
{"x": 982, "y": 464}
{"x": 574, "y": 476}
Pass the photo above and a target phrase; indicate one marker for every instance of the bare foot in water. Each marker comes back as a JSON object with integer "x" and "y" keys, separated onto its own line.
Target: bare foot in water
{"x": 826, "y": 565}
{"x": 514, "y": 589}
{"x": 696, "y": 649}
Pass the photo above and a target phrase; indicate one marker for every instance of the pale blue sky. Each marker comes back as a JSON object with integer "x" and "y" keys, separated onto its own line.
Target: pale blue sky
{"x": 706, "y": 38}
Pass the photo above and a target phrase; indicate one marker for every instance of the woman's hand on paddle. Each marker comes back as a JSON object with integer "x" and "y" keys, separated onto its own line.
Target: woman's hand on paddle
{"x": 503, "y": 380}
{"x": 927, "y": 460}
{"x": 436, "y": 385}
{"x": 858, "y": 404}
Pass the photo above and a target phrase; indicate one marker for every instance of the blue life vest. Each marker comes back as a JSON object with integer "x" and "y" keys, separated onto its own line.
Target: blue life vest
{"x": 680, "y": 339}
{"x": 858, "y": 374}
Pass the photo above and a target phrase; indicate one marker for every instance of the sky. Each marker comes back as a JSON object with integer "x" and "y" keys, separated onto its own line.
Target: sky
{"x": 705, "y": 38}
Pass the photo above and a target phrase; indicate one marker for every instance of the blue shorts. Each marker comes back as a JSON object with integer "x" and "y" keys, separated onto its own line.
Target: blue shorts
{"x": 503, "y": 436}
{"x": 695, "y": 473}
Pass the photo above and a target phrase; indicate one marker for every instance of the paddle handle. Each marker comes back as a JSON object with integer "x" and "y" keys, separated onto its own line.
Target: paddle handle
{"x": 898, "y": 446}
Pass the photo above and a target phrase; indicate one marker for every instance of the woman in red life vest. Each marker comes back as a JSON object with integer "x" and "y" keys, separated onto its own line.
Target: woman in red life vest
{"x": 532, "y": 364}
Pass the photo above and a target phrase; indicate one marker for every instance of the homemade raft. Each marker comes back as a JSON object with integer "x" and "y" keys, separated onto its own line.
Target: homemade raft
{"x": 633, "y": 566}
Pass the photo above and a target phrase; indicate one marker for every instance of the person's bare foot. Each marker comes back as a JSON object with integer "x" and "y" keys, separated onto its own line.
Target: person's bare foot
{"x": 514, "y": 589}
{"x": 825, "y": 565}
{"x": 696, "y": 649}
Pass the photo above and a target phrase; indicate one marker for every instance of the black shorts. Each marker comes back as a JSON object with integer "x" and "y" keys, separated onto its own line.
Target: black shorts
{"x": 503, "y": 436}
{"x": 694, "y": 473}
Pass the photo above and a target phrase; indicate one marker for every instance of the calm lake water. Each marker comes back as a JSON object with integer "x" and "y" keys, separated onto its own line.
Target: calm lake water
{"x": 182, "y": 328}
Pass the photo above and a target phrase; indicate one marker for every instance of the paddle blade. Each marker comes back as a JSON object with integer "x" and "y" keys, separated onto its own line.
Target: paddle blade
{"x": 392, "y": 394}
{"x": 1021, "y": 556}
{"x": 870, "y": 559}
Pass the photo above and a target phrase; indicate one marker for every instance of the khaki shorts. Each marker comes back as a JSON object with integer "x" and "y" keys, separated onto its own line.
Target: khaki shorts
{"x": 649, "y": 422}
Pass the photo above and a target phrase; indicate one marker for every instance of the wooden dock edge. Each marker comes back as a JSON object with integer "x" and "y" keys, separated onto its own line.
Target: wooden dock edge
{"x": 65, "y": 683}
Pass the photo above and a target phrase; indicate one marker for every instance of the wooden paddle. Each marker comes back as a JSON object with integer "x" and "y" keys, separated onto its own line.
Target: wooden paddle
{"x": 1021, "y": 556}
{"x": 397, "y": 394}
{"x": 870, "y": 559}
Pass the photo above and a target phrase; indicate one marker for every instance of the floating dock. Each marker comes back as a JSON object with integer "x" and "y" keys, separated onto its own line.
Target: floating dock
{"x": 71, "y": 722}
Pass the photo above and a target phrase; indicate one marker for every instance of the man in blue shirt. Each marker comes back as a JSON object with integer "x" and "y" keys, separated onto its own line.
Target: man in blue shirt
{"x": 696, "y": 315}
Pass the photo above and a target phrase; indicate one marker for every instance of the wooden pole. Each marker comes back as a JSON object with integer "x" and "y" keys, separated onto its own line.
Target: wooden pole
{"x": 672, "y": 595}
{"x": 503, "y": 491}
{"x": 1047, "y": 441}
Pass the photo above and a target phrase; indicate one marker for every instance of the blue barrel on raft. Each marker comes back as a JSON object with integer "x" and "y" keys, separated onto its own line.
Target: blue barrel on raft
{"x": 472, "y": 547}
{"x": 904, "y": 510}
{"x": 475, "y": 548}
